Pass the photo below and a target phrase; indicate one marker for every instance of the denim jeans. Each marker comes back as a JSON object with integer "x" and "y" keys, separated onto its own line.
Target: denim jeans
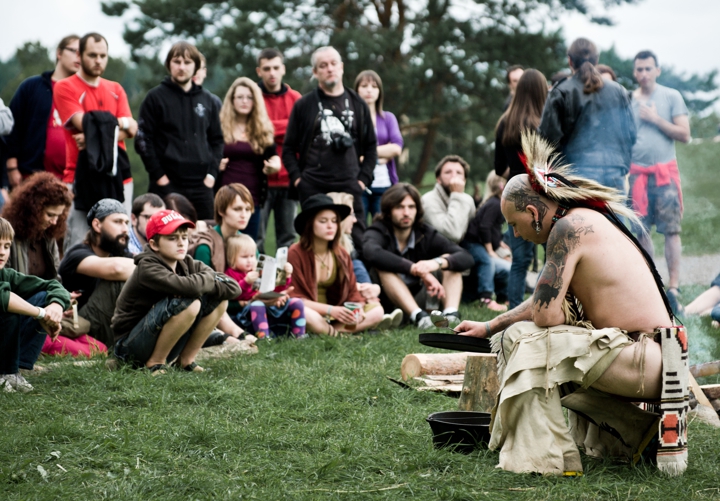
{"x": 285, "y": 211}
{"x": 610, "y": 176}
{"x": 522, "y": 254}
{"x": 492, "y": 272}
{"x": 138, "y": 346}
{"x": 371, "y": 203}
{"x": 21, "y": 338}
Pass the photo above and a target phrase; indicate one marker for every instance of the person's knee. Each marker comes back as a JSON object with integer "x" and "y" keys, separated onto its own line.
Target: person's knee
{"x": 193, "y": 310}
{"x": 221, "y": 308}
{"x": 257, "y": 303}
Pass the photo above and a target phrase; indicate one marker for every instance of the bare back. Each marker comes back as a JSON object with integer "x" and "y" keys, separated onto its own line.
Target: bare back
{"x": 590, "y": 258}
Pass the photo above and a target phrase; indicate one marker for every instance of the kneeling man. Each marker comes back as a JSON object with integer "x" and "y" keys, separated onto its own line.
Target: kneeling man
{"x": 584, "y": 338}
{"x": 171, "y": 303}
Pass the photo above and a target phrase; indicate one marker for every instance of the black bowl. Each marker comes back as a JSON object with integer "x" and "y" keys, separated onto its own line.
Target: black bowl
{"x": 461, "y": 430}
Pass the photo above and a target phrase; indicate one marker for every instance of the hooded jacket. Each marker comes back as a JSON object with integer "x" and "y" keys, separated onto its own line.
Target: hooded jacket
{"x": 279, "y": 105}
{"x": 153, "y": 281}
{"x": 179, "y": 134}
{"x": 381, "y": 252}
{"x": 30, "y": 105}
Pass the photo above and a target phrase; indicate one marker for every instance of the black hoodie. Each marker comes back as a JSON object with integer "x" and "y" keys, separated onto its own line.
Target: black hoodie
{"x": 179, "y": 134}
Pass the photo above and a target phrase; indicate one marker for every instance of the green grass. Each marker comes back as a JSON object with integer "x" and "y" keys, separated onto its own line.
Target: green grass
{"x": 314, "y": 419}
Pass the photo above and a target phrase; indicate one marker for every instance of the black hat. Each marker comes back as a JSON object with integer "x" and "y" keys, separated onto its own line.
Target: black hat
{"x": 315, "y": 204}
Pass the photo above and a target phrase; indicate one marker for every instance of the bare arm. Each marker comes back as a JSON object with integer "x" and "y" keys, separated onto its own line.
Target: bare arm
{"x": 678, "y": 129}
{"x": 390, "y": 150}
{"x": 114, "y": 269}
{"x": 132, "y": 128}
{"x": 479, "y": 329}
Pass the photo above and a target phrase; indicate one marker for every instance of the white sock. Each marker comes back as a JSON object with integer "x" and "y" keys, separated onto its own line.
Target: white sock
{"x": 449, "y": 310}
{"x": 414, "y": 314}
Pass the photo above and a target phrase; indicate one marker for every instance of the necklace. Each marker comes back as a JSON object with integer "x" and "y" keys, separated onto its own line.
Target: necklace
{"x": 323, "y": 264}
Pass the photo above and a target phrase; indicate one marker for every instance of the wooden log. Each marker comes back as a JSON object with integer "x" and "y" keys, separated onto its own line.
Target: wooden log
{"x": 707, "y": 369}
{"x": 712, "y": 391}
{"x": 418, "y": 364}
{"x": 481, "y": 385}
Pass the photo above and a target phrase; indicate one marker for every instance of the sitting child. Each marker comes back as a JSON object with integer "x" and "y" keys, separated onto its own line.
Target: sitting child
{"x": 171, "y": 303}
{"x": 30, "y": 307}
{"x": 284, "y": 314}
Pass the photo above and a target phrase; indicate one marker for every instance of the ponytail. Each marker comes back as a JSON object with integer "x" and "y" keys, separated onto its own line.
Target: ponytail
{"x": 583, "y": 55}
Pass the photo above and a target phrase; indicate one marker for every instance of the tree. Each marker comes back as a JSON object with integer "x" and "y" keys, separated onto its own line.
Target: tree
{"x": 442, "y": 62}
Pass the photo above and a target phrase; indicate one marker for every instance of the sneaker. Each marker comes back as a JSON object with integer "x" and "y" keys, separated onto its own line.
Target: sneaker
{"x": 15, "y": 382}
{"x": 422, "y": 320}
{"x": 385, "y": 323}
{"x": 396, "y": 318}
{"x": 453, "y": 318}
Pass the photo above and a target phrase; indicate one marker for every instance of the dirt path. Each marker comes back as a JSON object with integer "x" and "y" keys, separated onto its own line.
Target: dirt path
{"x": 693, "y": 269}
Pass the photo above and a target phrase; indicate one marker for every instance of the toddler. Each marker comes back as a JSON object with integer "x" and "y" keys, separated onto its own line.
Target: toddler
{"x": 257, "y": 317}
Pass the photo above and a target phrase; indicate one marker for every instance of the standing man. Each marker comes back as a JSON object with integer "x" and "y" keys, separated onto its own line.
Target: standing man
{"x": 37, "y": 142}
{"x": 512, "y": 77}
{"x": 412, "y": 260}
{"x": 329, "y": 131}
{"x": 448, "y": 208}
{"x": 201, "y": 75}
{"x": 279, "y": 101}
{"x": 180, "y": 139}
{"x": 143, "y": 208}
{"x": 77, "y": 95}
{"x": 661, "y": 118}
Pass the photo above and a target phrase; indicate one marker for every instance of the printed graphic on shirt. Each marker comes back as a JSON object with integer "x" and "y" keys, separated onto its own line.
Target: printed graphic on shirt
{"x": 330, "y": 124}
{"x": 200, "y": 110}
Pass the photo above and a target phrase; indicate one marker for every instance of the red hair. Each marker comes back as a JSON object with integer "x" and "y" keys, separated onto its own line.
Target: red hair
{"x": 27, "y": 202}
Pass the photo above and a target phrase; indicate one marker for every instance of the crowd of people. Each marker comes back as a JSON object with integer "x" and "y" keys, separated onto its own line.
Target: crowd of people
{"x": 85, "y": 268}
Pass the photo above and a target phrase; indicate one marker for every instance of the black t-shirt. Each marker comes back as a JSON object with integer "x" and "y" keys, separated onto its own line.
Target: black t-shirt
{"x": 324, "y": 165}
{"x": 71, "y": 279}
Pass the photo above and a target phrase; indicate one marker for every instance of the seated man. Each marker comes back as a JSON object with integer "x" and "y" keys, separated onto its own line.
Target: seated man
{"x": 143, "y": 207}
{"x": 98, "y": 268}
{"x": 583, "y": 335}
{"x": 408, "y": 256}
{"x": 28, "y": 305}
{"x": 448, "y": 208}
{"x": 171, "y": 303}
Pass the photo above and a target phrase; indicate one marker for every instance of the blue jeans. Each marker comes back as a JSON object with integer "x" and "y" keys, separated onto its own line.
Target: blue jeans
{"x": 138, "y": 346}
{"x": 522, "y": 254}
{"x": 285, "y": 211}
{"x": 361, "y": 273}
{"x": 21, "y": 338}
{"x": 372, "y": 202}
{"x": 492, "y": 272}
{"x": 610, "y": 176}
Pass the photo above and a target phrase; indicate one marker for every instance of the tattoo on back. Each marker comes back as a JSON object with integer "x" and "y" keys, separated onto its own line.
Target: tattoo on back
{"x": 522, "y": 196}
{"x": 563, "y": 240}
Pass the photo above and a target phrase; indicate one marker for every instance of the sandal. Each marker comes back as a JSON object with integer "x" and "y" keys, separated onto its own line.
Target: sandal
{"x": 332, "y": 331}
{"x": 157, "y": 369}
{"x": 191, "y": 367}
{"x": 492, "y": 305}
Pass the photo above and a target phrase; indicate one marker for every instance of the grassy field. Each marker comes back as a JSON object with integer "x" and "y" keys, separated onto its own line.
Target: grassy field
{"x": 315, "y": 419}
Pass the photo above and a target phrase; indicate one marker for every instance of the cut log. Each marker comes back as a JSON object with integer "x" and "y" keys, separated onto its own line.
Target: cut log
{"x": 481, "y": 385}
{"x": 419, "y": 364}
{"x": 712, "y": 391}
{"x": 707, "y": 369}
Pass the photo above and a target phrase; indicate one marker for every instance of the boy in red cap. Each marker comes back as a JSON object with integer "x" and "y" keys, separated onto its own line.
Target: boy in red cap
{"x": 171, "y": 303}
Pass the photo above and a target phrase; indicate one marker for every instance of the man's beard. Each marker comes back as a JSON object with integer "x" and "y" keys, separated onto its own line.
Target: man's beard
{"x": 113, "y": 245}
{"x": 88, "y": 70}
{"x": 182, "y": 82}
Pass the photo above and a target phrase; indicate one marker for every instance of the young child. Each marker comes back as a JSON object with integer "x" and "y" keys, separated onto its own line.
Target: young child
{"x": 28, "y": 306}
{"x": 171, "y": 303}
{"x": 241, "y": 255}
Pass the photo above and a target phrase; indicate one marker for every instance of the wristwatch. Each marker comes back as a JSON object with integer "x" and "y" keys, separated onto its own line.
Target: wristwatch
{"x": 40, "y": 315}
{"x": 439, "y": 261}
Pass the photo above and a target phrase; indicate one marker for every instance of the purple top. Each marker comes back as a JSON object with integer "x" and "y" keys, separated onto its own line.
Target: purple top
{"x": 388, "y": 131}
{"x": 245, "y": 167}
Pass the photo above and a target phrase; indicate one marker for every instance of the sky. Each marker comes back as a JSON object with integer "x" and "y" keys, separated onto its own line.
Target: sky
{"x": 682, "y": 33}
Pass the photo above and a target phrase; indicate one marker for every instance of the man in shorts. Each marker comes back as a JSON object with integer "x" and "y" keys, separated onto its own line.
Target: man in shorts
{"x": 661, "y": 118}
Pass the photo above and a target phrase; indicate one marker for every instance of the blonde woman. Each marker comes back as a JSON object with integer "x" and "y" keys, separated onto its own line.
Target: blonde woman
{"x": 249, "y": 154}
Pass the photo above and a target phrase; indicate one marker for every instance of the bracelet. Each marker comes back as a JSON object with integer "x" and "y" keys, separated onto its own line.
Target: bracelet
{"x": 328, "y": 318}
{"x": 41, "y": 313}
{"x": 11, "y": 168}
{"x": 487, "y": 327}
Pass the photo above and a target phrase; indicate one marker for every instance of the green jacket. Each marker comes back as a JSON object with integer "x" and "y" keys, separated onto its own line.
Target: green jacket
{"x": 26, "y": 286}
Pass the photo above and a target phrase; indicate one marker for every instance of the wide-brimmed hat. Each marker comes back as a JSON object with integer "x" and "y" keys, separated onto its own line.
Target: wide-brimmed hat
{"x": 315, "y": 204}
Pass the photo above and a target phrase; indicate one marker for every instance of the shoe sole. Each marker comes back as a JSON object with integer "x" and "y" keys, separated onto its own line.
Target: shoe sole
{"x": 396, "y": 318}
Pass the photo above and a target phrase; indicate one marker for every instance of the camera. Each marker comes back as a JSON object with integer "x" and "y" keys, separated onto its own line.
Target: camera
{"x": 341, "y": 141}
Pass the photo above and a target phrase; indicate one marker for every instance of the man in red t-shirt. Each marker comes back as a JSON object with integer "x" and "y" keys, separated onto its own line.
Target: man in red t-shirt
{"x": 83, "y": 92}
{"x": 279, "y": 100}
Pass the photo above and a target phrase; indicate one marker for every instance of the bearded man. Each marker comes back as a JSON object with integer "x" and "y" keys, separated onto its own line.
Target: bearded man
{"x": 98, "y": 268}
{"x": 589, "y": 337}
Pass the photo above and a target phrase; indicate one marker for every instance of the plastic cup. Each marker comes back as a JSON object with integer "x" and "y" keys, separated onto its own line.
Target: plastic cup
{"x": 355, "y": 309}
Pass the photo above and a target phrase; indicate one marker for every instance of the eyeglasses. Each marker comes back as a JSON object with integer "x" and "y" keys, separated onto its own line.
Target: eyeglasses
{"x": 70, "y": 49}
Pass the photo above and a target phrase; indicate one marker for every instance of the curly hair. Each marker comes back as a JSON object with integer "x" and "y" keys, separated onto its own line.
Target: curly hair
{"x": 26, "y": 205}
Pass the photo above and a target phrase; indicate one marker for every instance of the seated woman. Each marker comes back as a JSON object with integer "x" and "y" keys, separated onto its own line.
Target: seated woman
{"x": 38, "y": 212}
{"x": 323, "y": 275}
{"x": 368, "y": 290}
{"x": 483, "y": 241}
{"x": 707, "y": 303}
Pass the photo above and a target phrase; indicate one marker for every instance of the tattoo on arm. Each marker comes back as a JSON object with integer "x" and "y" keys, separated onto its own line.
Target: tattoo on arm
{"x": 522, "y": 196}
{"x": 518, "y": 314}
{"x": 564, "y": 239}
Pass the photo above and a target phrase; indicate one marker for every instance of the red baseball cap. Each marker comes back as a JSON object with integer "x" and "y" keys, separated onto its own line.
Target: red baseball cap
{"x": 166, "y": 222}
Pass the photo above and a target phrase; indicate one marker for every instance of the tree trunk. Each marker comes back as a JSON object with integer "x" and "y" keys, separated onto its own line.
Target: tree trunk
{"x": 706, "y": 369}
{"x": 441, "y": 364}
{"x": 712, "y": 391}
{"x": 481, "y": 385}
{"x": 427, "y": 152}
